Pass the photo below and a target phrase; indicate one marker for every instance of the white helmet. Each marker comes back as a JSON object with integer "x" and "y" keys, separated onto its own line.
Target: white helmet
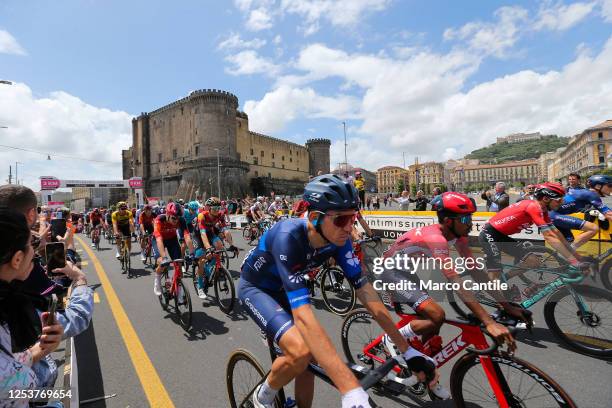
{"x": 277, "y": 199}
{"x": 260, "y": 198}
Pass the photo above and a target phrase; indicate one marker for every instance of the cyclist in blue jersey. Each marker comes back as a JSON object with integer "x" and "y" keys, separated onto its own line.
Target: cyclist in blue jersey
{"x": 273, "y": 290}
{"x": 577, "y": 200}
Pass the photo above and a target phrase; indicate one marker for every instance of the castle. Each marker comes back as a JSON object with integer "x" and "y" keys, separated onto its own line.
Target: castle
{"x": 180, "y": 148}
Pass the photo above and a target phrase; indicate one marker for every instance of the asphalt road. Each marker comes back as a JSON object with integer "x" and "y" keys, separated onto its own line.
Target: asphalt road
{"x": 187, "y": 369}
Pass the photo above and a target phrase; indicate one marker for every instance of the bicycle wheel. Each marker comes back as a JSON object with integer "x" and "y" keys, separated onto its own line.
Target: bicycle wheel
{"x": 242, "y": 375}
{"x": 358, "y": 330}
{"x": 338, "y": 294}
{"x": 588, "y": 331}
{"x": 604, "y": 273}
{"x": 524, "y": 384}
{"x": 484, "y": 298}
{"x": 164, "y": 298}
{"x": 224, "y": 258}
{"x": 225, "y": 293}
{"x": 182, "y": 305}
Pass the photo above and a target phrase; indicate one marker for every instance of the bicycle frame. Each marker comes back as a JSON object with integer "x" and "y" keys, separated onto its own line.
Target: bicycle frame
{"x": 471, "y": 334}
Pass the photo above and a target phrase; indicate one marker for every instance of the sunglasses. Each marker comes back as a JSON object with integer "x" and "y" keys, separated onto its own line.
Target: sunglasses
{"x": 465, "y": 219}
{"x": 342, "y": 221}
{"x": 215, "y": 207}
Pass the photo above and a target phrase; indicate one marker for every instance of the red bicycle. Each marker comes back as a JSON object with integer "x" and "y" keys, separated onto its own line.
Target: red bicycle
{"x": 173, "y": 288}
{"x": 148, "y": 249}
{"x": 95, "y": 237}
{"x": 482, "y": 377}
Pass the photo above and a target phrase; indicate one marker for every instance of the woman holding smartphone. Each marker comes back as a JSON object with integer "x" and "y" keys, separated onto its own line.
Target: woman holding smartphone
{"x": 25, "y": 338}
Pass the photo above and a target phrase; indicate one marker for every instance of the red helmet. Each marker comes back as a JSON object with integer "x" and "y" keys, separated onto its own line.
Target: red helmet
{"x": 452, "y": 203}
{"x": 96, "y": 210}
{"x": 552, "y": 190}
{"x": 172, "y": 209}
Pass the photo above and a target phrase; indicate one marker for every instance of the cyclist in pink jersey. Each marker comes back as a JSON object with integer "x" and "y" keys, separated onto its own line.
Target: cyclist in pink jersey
{"x": 495, "y": 235}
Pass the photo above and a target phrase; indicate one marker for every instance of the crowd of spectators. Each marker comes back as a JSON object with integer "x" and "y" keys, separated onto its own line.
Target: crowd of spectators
{"x": 28, "y": 333}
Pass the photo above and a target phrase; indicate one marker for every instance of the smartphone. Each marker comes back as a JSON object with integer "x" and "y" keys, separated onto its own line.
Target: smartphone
{"x": 56, "y": 256}
{"x": 58, "y": 227}
{"x": 52, "y": 309}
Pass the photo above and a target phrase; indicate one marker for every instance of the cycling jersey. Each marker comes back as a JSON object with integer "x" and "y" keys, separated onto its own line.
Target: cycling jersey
{"x": 166, "y": 230}
{"x": 274, "y": 207}
{"x": 190, "y": 219}
{"x": 519, "y": 216}
{"x": 359, "y": 184}
{"x": 145, "y": 219}
{"x": 299, "y": 208}
{"x": 284, "y": 256}
{"x": 272, "y": 275}
{"x": 122, "y": 218}
{"x": 577, "y": 200}
{"x": 95, "y": 218}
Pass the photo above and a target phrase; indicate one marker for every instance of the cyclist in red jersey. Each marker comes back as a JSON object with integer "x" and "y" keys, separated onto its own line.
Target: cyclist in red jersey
{"x": 224, "y": 228}
{"x": 433, "y": 241}
{"x": 95, "y": 218}
{"x": 495, "y": 235}
{"x": 145, "y": 223}
{"x": 166, "y": 239}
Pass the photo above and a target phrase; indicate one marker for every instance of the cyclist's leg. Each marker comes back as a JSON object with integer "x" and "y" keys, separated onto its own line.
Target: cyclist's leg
{"x": 566, "y": 224}
{"x": 490, "y": 240}
{"x": 270, "y": 312}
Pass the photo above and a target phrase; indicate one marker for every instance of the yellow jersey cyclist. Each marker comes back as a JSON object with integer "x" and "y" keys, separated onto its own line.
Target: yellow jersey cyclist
{"x": 123, "y": 225}
{"x": 275, "y": 295}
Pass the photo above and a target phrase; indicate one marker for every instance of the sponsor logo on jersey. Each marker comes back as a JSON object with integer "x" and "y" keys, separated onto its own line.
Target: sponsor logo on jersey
{"x": 351, "y": 259}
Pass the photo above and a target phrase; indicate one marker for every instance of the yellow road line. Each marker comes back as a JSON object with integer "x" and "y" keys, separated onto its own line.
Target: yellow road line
{"x": 84, "y": 263}
{"x": 149, "y": 379}
{"x": 96, "y": 298}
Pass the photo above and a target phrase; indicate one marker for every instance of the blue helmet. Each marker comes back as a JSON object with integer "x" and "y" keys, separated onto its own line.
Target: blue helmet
{"x": 330, "y": 192}
{"x": 599, "y": 179}
{"x": 193, "y": 205}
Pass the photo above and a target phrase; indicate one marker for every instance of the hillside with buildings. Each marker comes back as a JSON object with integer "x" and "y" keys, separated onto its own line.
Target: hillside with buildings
{"x": 529, "y": 147}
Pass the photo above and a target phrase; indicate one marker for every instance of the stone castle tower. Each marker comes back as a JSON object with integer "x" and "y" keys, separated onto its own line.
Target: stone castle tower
{"x": 180, "y": 148}
{"x": 318, "y": 155}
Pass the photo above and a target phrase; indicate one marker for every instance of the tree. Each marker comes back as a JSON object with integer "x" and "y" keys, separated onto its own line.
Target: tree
{"x": 399, "y": 185}
{"x": 413, "y": 189}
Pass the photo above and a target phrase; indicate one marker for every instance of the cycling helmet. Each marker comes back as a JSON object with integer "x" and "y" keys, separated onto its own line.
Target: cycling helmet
{"x": 122, "y": 205}
{"x": 599, "y": 180}
{"x": 146, "y": 207}
{"x": 451, "y": 204}
{"x": 181, "y": 201}
{"x": 330, "y": 192}
{"x": 173, "y": 209}
{"x": 277, "y": 199}
{"x": 260, "y": 198}
{"x": 549, "y": 189}
{"x": 193, "y": 205}
{"x": 357, "y": 173}
{"x": 213, "y": 202}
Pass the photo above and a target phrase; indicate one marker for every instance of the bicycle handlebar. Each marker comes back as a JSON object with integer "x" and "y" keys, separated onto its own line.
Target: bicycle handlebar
{"x": 502, "y": 318}
{"x": 373, "y": 377}
{"x": 171, "y": 261}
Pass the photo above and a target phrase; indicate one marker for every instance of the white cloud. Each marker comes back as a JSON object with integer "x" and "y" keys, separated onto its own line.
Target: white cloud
{"x": 234, "y": 42}
{"x": 9, "y": 45}
{"x": 606, "y": 10}
{"x": 559, "y": 17}
{"x": 64, "y": 124}
{"x": 277, "y": 40}
{"x": 259, "y": 19}
{"x": 492, "y": 38}
{"x": 261, "y": 13}
{"x": 249, "y": 62}
{"x": 284, "y": 104}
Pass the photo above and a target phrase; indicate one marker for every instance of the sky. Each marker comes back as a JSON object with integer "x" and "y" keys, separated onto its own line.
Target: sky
{"x": 426, "y": 79}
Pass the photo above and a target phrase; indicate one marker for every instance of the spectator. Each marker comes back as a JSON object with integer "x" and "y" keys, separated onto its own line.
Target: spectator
{"x": 435, "y": 192}
{"x": 385, "y": 201}
{"x": 359, "y": 183}
{"x": 527, "y": 193}
{"x": 403, "y": 201}
{"x": 498, "y": 200}
{"x": 574, "y": 182}
{"x": 369, "y": 202}
{"x": 25, "y": 338}
{"x": 420, "y": 201}
{"x": 77, "y": 315}
{"x": 376, "y": 204}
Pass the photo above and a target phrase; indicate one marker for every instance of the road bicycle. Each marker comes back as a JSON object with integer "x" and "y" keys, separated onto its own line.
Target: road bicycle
{"x": 110, "y": 237}
{"x": 218, "y": 277}
{"x": 148, "y": 249}
{"x": 124, "y": 255}
{"x": 484, "y": 376}
{"x": 579, "y": 315}
{"x": 95, "y": 237}
{"x": 172, "y": 288}
{"x": 244, "y": 373}
{"x": 252, "y": 232}
{"x": 336, "y": 291}
{"x": 87, "y": 229}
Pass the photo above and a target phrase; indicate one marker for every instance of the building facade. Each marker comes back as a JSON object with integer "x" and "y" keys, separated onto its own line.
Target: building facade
{"x": 179, "y": 149}
{"x": 519, "y": 137}
{"x": 525, "y": 171}
{"x": 425, "y": 176}
{"x": 585, "y": 153}
{"x": 387, "y": 178}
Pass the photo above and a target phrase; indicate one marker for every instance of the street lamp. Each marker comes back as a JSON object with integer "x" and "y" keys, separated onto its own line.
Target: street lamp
{"x": 218, "y": 175}
{"x": 16, "y": 178}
